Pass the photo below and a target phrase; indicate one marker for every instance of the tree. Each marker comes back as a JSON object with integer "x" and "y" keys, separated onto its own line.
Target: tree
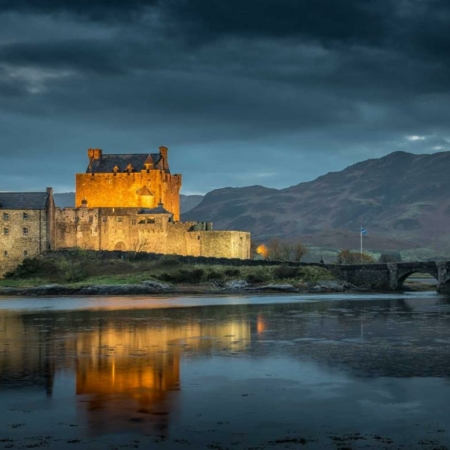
{"x": 390, "y": 257}
{"x": 274, "y": 250}
{"x": 282, "y": 250}
{"x": 349, "y": 257}
{"x": 299, "y": 251}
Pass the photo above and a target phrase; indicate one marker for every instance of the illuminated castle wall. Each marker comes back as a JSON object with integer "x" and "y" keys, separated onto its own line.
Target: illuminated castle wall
{"x": 129, "y": 181}
{"x": 128, "y": 202}
{"x": 131, "y": 202}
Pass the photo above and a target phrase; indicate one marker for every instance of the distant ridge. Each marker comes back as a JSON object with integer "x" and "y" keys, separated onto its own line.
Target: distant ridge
{"x": 402, "y": 199}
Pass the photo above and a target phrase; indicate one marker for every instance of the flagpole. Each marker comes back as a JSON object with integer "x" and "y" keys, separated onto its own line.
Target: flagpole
{"x": 361, "y": 233}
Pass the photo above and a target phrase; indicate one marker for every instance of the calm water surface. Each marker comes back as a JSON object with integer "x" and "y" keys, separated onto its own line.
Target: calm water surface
{"x": 260, "y": 372}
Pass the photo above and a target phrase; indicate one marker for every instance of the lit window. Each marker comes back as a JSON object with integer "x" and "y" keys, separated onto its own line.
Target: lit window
{"x": 25, "y": 216}
{"x": 25, "y": 231}
{"x": 5, "y": 216}
{"x": 5, "y": 230}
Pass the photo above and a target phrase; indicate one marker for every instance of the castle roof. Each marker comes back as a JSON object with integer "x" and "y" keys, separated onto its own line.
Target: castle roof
{"x": 159, "y": 210}
{"x": 106, "y": 163}
{"x": 23, "y": 200}
{"x": 145, "y": 191}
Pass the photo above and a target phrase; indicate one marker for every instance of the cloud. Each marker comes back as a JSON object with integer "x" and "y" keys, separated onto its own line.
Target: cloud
{"x": 236, "y": 89}
{"x": 415, "y": 138}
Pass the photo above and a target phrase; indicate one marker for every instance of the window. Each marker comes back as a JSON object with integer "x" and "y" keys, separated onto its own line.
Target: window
{"x": 104, "y": 219}
{"x": 5, "y": 216}
{"x": 5, "y": 230}
{"x": 5, "y": 253}
{"x": 25, "y": 231}
{"x": 91, "y": 219}
{"x": 25, "y": 216}
{"x": 133, "y": 221}
{"x": 119, "y": 219}
{"x": 25, "y": 253}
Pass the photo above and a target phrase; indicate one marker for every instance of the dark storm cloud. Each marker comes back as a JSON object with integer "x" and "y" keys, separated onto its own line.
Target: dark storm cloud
{"x": 82, "y": 55}
{"x": 322, "y": 19}
{"x": 247, "y": 92}
{"x": 97, "y": 10}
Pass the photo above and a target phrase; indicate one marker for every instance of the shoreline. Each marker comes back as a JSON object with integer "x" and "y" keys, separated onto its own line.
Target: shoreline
{"x": 237, "y": 287}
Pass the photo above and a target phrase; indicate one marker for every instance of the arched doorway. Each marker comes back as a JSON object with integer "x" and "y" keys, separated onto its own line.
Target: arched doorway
{"x": 120, "y": 246}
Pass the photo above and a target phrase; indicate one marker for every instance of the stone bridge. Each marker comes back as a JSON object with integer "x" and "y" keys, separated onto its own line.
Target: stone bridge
{"x": 391, "y": 276}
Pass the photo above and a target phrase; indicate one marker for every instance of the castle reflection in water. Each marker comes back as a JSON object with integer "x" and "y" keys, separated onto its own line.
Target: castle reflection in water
{"x": 122, "y": 369}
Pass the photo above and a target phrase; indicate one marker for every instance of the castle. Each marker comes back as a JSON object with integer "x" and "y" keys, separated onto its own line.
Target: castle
{"x": 127, "y": 202}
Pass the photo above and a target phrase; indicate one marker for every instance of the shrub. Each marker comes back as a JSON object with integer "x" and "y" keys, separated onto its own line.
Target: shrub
{"x": 193, "y": 276}
{"x": 169, "y": 261}
{"x": 390, "y": 257}
{"x": 71, "y": 272}
{"x": 232, "y": 272}
{"x": 282, "y": 250}
{"x": 283, "y": 272}
{"x": 33, "y": 267}
{"x": 259, "y": 276}
{"x": 349, "y": 257}
{"x": 214, "y": 275}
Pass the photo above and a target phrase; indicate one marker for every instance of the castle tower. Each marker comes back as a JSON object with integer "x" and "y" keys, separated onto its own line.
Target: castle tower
{"x": 128, "y": 181}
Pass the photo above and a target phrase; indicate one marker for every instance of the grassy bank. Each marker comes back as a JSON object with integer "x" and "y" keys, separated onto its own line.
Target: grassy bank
{"x": 82, "y": 268}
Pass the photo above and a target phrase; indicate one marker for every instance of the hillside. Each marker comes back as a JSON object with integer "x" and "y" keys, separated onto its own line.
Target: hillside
{"x": 401, "y": 199}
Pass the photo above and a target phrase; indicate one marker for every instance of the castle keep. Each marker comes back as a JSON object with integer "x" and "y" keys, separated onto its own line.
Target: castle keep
{"x": 127, "y": 202}
{"x": 124, "y": 181}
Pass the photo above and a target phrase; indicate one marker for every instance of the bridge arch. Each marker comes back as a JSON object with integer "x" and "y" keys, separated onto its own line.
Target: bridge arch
{"x": 403, "y": 276}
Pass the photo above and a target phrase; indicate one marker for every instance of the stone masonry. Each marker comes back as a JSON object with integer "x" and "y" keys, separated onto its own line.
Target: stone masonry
{"x": 127, "y": 202}
{"x": 27, "y": 226}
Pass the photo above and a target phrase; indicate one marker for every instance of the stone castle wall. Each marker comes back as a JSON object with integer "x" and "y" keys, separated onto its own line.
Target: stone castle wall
{"x": 123, "y": 229}
{"x": 130, "y": 209}
{"x": 23, "y": 233}
{"x": 126, "y": 190}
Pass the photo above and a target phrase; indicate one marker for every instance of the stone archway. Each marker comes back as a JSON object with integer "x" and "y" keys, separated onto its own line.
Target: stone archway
{"x": 120, "y": 246}
{"x": 404, "y": 276}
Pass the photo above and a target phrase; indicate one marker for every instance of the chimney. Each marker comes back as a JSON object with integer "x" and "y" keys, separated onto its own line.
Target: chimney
{"x": 94, "y": 153}
{"x": 49, "y": 191}
{"x": 163, "y": 153}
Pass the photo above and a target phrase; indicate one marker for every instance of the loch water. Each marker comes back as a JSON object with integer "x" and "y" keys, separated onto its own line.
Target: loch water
{"x": 257, "y": 372}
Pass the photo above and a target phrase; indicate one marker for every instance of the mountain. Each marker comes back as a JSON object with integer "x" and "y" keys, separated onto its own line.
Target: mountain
{"x": 187, "y": 202}
{"x": 401, "y": 199}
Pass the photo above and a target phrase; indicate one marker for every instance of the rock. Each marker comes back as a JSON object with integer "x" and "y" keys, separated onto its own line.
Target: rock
{"x": 236, "y": 284}
{"x": 275, "y": 287}
{"x": 101, "y": 289}
{"x": 316, "y": 288}
{"x": 332, "y": 285}
{"x": 157, "y": 285}
{"x": 118, "y": 289}
{"x": 49, "y": 289}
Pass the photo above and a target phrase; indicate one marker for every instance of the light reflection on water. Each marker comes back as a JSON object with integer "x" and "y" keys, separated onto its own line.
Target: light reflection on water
{"x": 227, "y": 372}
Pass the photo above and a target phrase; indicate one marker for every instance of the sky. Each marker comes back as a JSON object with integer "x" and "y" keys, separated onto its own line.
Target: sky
{"x": 242, "y": 92}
